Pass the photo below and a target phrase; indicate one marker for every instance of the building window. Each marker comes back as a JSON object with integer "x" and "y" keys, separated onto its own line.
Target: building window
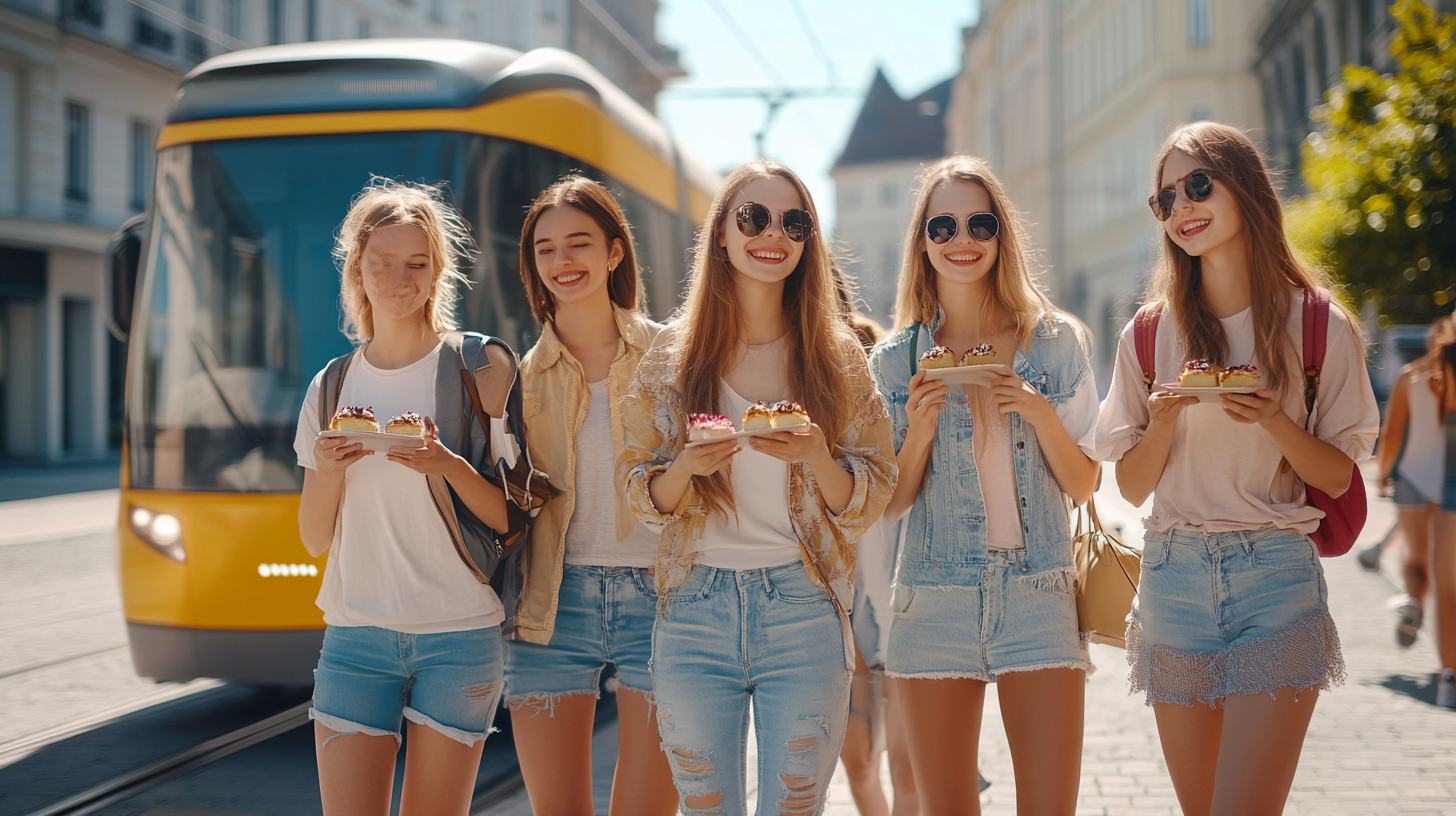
{"x": 194, "y": 48}
{"x": 851, "y": 197}
{"x": 437, "y": 11}
{"x": 366, "y": 30}
{"x": 275, "y": 22}
{"x": 90, "y": 12}
{"x": 148, "y": 31}
{"x": 550, "y": 10}
{"x": 1321, "y": 51}
{"x": 141, "y": 165}
{"x": 1200, "y": 22}
{"x": 232, "y": 18}
{"x": 78, "y": 153}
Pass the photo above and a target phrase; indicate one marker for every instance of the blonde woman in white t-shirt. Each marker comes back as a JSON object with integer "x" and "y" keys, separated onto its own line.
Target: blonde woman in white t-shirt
{"x": 589, "y": 598}
{"x": 1231, "y": 639}
{"x": 412, "y": 633}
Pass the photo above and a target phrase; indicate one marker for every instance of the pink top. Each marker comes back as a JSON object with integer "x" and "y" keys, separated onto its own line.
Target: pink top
{"x": 996, "y": 471}
{"x": 1223, "y": 475}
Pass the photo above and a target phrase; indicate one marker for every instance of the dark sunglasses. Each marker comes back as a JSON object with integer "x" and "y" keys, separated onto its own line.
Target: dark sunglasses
{"x": 981, "y": 226}
{"x": 753, "y": 218}
{"x": 1198, "y": 186}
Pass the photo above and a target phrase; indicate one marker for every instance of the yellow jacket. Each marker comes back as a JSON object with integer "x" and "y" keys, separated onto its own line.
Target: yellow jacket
{"x": 556, "y": 402}
{"x": 652, "y": 413}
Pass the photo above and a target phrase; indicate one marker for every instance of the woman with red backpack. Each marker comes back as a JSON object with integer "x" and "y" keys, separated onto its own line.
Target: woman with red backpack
{"x": 1231, "y": 639}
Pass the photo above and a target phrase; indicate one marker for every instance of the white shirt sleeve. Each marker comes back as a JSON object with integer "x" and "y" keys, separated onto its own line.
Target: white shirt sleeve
{"x": 1079, "y": 415}
{"x": 308, "y": 429}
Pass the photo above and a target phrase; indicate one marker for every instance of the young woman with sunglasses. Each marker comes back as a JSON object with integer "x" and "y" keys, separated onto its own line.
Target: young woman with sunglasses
{"x": 757, "y": 557}
{"x": 1231, "y": 639}
{"x": 984, "y": 587}
{"x": 588, "y": 598}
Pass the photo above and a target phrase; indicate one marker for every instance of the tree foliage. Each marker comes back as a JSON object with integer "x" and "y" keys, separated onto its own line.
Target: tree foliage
{"x": 1379, "y": 171}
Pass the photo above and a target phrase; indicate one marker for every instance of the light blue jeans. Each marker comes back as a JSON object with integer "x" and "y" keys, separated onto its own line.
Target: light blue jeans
{"x": 766, "y": 635}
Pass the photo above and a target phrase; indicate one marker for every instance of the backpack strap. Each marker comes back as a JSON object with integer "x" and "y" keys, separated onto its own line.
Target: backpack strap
{"x": 1316, "y": 324}
{"x": 331, "y": 385}
{"x": 473, "y": 362}
{"x": 1145, "y": 341}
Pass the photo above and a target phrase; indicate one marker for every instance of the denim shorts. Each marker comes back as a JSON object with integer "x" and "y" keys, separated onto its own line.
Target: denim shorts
{"x": 603, "y": 615}
{"x": 770, "y": 636}
{"x": 367, "y": 678}
{"x": 1007, "y": 621}
{"x": 1241, "y": 612}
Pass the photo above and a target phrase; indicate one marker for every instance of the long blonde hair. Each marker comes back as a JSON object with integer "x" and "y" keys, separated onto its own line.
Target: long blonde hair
{"x": 1274, "y": 270}
{"x": 389, "y": 203}
{"x": 712, "y": 323}
{"x": 1014, "y": 294}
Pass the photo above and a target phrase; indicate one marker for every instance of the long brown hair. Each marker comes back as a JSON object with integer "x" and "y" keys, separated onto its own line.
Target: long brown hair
{"x": 1014, "y": 292}
{"x": 389, "y": 203}
{"x": 1440, "y": 359}
{"x": 1274, "y": 271}
{"x": 712, "y": 323}
{"x": 596, "y": 201}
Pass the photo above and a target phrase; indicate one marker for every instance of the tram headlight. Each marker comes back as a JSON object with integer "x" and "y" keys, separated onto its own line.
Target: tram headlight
{"x": 161, "y": 531}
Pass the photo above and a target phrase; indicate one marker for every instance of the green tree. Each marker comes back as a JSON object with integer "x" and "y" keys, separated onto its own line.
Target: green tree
{"x": 1379, "y": 170}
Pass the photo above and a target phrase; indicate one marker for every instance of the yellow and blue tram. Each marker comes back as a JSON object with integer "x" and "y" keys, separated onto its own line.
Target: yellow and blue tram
{"x": 236, "y": 297}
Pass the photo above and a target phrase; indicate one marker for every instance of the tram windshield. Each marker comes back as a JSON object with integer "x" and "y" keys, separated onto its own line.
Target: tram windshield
{"x": 238, "y": 302}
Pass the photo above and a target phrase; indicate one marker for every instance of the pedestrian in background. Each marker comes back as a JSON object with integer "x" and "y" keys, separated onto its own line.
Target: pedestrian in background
{"x": 756, "y": 563}
{"x": 413, "y": 629}
{"x": 876, "y": 722}
{"x": 1231, "y": 638}
{"x": 984, "y": 589}
{"x": 1418, "y": 450}
{"x": 589, "y": 597}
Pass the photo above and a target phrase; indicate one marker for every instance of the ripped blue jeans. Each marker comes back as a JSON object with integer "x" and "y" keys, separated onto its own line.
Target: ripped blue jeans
{"x": 769, "y": 636}
{"x": 368, "y": 678}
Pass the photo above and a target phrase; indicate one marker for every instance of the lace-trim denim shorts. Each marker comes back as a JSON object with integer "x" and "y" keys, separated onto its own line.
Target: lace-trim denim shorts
{"x": 1241, "y": 612}
{"x": 1008, "y": 621}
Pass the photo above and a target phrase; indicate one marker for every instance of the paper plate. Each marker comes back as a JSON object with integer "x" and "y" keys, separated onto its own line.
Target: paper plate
{"x": 759, "y": 432}
{"x": 967, "y": 375}
{"x": 1205, "y": 394}
{"x": 381, "y": 442}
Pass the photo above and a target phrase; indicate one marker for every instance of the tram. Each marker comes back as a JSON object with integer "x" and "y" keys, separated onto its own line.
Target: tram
{"x": 229, "y": 297}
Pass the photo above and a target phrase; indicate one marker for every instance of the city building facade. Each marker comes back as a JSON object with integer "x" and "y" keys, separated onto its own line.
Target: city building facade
{"x": 84, "y": 88}
{"x": 1302, "y": 47}
{"x": 874, "y": 177}
{"x": 1069, "y": 101}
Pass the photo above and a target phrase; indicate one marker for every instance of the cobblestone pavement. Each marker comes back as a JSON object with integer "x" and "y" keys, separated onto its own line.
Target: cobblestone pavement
{"x": 63, "y": 657}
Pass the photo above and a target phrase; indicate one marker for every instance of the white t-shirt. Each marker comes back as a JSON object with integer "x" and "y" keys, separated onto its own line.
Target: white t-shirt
{"x": 591, "y": 533}
{"x": 392, "y": 563}
{"x": 762, "y": 534}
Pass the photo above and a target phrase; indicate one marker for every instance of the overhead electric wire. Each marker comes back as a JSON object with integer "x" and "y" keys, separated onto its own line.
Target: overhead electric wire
{"x": 745, "y": 40}
{"x": 815, "y": 42}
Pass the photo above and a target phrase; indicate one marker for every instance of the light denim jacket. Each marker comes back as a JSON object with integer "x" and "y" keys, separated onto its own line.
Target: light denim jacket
{"x": 945, "y": 539}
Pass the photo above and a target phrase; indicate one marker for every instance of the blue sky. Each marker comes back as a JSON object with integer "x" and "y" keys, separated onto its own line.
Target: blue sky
{"x": 769, "y": 43}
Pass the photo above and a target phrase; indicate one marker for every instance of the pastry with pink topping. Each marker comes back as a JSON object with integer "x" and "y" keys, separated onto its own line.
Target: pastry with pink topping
{"x": 708, "y": 426}
{"x": 984, "y": 354}
{"x": 1239, "y": 376}
{"x": 938, "y": 357}
{"x": 787, "y": 414}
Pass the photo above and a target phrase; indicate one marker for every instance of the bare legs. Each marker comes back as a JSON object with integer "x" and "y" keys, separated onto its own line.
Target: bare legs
{"x": 897, "y": 745}
{"x": 356, "y": 772}
{"x": 1042, "y": 711}
{"x": 1239, "y": 759}
{"x": 1443, "y": 573}
{"x": 1415, "y": 525}
{"x": 555, "y": 756}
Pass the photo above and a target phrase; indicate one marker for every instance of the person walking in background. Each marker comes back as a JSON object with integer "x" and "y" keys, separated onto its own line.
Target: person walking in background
{"x": 984, "y": 589}
{"x": 589, "y": 597}
{"x": 1231, "y": 638}
{"x": 1418, "y": 451}
{"x": 413, "y": 628}
{"x": 756, "y": 563}
{"x": 876, "y": 722}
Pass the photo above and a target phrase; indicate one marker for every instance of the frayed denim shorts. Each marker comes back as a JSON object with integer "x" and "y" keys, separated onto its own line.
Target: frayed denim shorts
{"x": 1239, "y": 612}
{"x": 603, "y": 615}
{"x": 368, "y": 678}
{"x": 1008, "y": 621}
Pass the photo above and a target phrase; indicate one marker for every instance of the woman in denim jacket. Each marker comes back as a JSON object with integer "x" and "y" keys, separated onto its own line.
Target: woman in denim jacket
{"x": 984, "y": 588}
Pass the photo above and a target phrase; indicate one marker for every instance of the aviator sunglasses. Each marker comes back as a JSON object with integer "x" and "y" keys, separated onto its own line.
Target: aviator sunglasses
{"x": 1198, "y": 186}
{"x": 981, "y": 226}
{"x": 753, "y": 218}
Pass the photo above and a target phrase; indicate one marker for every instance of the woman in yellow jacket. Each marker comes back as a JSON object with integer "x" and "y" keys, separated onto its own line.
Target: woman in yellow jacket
{"x": 589, "y": 596}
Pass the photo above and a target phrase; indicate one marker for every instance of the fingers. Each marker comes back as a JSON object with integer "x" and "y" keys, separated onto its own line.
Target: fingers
{"x": 431, "y": 432}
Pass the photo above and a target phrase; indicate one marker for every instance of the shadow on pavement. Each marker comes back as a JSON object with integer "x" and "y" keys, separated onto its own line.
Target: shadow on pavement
{"x": 1421, "y": 688}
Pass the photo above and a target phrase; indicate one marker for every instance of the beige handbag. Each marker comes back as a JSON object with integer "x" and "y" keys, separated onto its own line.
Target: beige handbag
{"x": 1107, "y": 579}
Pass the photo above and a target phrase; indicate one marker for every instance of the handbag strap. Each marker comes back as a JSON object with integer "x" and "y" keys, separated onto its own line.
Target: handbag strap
{"x": 1145, "y": 340}
{"x": 1096, "y": 529}
{"x": 1316, "y": 326}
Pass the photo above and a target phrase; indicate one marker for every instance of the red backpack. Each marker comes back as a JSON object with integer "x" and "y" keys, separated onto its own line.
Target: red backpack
{"x": 1344, "y": 516}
